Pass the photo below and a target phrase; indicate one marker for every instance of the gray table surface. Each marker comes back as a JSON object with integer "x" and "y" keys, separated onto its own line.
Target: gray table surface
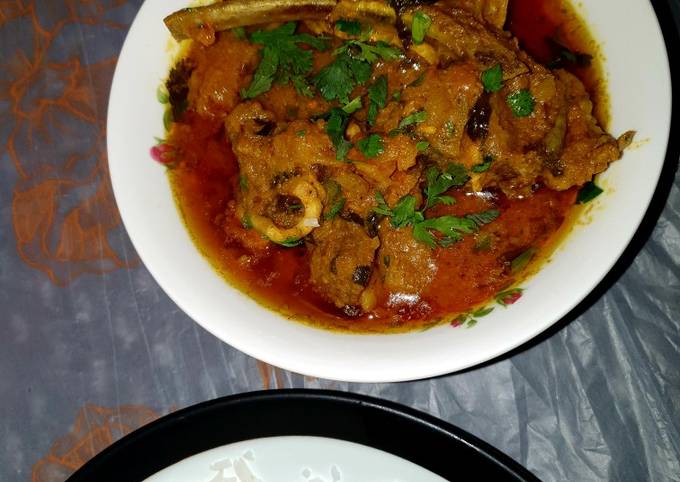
{"x": 92, "y": 348}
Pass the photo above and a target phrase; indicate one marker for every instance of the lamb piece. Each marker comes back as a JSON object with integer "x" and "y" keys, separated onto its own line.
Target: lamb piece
{"x": 588, "y": 150}
{"x": 460, "y": 36}
{"x": 493, "y": 12}
{"x": 406, "y": 266}
{"x": 341, "y": 263}
{"x": 447, "y": 95}
{"x": 215, "y": 82}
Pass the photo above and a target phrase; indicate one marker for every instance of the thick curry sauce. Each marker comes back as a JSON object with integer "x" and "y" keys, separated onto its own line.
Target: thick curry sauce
{"x": 205, "y": 181}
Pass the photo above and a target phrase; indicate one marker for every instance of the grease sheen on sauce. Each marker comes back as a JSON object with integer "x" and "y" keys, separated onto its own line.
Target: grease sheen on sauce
{"x": 204, "y": 183}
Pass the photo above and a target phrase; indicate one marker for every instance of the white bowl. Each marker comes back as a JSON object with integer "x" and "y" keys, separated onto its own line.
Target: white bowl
{"x": 640, "y": 92}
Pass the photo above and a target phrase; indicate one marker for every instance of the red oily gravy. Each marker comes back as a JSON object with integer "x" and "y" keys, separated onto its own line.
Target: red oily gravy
{"x": 467, "y": 274}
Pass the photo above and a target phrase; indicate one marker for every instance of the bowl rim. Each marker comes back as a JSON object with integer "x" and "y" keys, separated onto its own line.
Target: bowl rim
{"x": 340, "y": 372}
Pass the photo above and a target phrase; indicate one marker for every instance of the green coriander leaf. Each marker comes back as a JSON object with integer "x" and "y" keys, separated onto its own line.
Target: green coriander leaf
{"x": 415, "y": 118}
{"x": 353, "y": 106}
{"x": 301, "y": 133}
{"x": 282, "y": 59}
{"x": 521, "y": 261}
{"x": 521, "y": 103}
{"x": 335, "y": 128}
{"x": 350, "y": 27}
{"x": 419, "y": 27}
{"x": 458, "y": 174}
{"x": 335, "y": 81}
{"x": 339, "y": 78}
{"x": 302, "y": 85}
{"x": 588, "y": 192}
{"x": 451, "y": 227}
{"x": 342, "y": 149}
{"x": 404, "y": 212}
{"x": 422, "y": 235}
{"x": 239, "y": 32}
{"x": 335, "y": 208}
{"x": 264, "y": 74}
{"x": 383, "y": 207}
{"x": 371, "y": 146}
{"x": 484, "y": 166}
{"x": 471, "y": 323}
{"x": 243, "y": 182}
{"x": 485, "y": 217}
{"x": 370, "y": 53}
{"x": 396, "y": 95}
{"x": 377, "y": 96}
{"x": 438, "y": 183}
{"x": 422, "y": 146}
{"x": 419, "y": 80}
{"x": 492, "y": 78}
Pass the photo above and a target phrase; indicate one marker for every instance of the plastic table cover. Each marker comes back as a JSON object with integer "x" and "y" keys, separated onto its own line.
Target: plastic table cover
{"x": 92, "y": 348}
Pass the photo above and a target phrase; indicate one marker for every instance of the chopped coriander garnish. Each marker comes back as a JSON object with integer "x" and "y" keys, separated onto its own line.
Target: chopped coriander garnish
{"x": 351, "y": 67}
{"x": 484, "y": 166}
{"x": 246, "y": 222}
{"x": 521, "y": 103}
{"x": 588, "y": 192}
{"x": 396, "y": 95}
{"x": 350, "y": 27}
{"x": 452, "y": 228}
{"x": 282, "y": 59}
{"x": 239, "y": 32}
{"x": 484, "y": 217}
{"x": 369, "y": 52}
{"x": 419, "y": 27}
{"x": 404, "y": 212}
{"x": 353, "y": 106}
{"x": 521, "y": 261}
{"x": 377, "y": 96}
{"x": 335, "y": 208}
{"x": 301, "y": 133}
{"x": 492, "y": 79}
{"x": 338, "y": 79}
{"x": 415, "y": 118}
{"x": 371, "y": 146}
{"x": 419, "y": 80}
{"x": 440, "y": 182}
{"x": 335, "y": 128}
{"x": 422, "y": 146}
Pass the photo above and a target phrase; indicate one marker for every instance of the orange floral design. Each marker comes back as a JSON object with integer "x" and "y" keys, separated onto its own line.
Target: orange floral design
{"x": 95, "y": 429}
{"x": 63, "y": 210}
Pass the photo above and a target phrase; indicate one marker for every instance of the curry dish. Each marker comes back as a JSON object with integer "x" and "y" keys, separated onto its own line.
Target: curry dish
{"x": 371, "y": 166}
